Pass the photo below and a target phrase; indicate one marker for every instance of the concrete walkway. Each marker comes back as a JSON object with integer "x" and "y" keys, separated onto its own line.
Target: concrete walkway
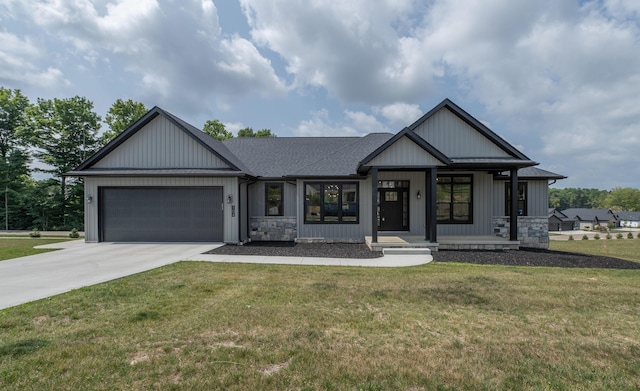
{"x": 80, "y": 264}
{"x": 385, "y": 261}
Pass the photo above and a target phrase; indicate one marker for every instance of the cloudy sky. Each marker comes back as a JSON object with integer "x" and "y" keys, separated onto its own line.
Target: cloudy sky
{"x": 558, "y": 79}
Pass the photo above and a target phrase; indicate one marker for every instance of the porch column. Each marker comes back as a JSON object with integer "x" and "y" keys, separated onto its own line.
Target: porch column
{"x": 374, "y": 205}
{"x": 513, "y": 215}
{"x": 431, "y": 233}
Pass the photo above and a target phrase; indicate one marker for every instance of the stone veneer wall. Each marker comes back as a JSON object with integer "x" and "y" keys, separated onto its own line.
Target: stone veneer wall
{"x": 533, "y": 231}
{"x": 273, "y": 228}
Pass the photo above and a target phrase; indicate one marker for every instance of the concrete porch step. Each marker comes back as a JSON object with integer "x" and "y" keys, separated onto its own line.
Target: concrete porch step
{"x": 406, "y": 251}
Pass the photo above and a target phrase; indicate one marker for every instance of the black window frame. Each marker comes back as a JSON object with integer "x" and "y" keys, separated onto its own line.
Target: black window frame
{"x": 451, "y": 201}
{"x": 267, "y": 201}
{"x": 525, "y": 201}
{"x": 322, "y": 209}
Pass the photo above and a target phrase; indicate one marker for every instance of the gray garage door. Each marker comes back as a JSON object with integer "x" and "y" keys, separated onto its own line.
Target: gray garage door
{"x": 181, "y": 214}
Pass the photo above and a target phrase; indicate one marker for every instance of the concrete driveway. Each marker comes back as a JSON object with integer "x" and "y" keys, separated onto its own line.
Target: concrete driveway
{"x": 82, "y": 264}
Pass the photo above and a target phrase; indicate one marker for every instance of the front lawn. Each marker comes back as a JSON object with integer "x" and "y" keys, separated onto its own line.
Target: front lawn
{"x": 15, "y": 247}
{"x": 204, "y": 326}
{"x": 618, "y": 248}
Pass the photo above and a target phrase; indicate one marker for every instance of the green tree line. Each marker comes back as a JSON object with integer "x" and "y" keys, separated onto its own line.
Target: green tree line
{"x": 617, "y": 199}
{"x": 61, "y": 134}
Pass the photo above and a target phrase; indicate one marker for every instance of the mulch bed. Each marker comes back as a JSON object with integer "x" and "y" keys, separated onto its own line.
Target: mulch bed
{"x": 522, "y": 257}
{"x": 534, "y": 257}
{"x": 291, "y": 249}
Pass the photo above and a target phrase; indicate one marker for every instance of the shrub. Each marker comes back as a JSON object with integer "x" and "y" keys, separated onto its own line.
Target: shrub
{"x": 585, "y": 237}
{"x": 596, "y": 227}
{"x": 608, "y": 236}
{"x": 638, "y": 235}
{"x": 34, "y": 233}
{"x": 596, "y": 237}
{"x": 619, "y": 236}
{"x": 586, "y": 227}
{"x": 611, "y": 225}
{"x": 629, "y": 235}
{"x": 74, "y": 233}
{"x": 571, "y": 237}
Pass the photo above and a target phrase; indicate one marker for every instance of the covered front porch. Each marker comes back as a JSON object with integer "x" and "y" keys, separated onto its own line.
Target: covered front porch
{"x": 445, "y": 242}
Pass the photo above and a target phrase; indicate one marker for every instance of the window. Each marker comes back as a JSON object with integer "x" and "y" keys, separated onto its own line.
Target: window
{"x": 454, "y": 199}
{"x": 273, "y": 202}
{"x": 522, "y": 199}
{"x": 333, "y": 203}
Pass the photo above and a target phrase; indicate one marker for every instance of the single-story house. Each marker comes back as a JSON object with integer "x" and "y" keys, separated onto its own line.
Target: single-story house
{"x": 628, "y": 219}
{"x": 587, "y": 218}
{"x": 558, "y": 221}
{"x": 445, "y": 181}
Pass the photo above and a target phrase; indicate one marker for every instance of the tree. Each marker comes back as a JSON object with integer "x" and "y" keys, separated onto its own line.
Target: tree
{"x": 14, "y": 163}
{"x": 619, "y": 199}
{"x": 41, "y": 206}
{"x": 265, "y": 133}
{"x": 215, "y": 128}
{"x": 248, "y": 132}
{"x": 120, "y": 116}
{"x": 576, "y": 198}
{"x": 65, "y": 134}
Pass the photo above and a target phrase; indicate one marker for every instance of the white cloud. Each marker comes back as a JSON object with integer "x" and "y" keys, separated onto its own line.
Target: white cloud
{"x": 364, "y": 122}
{"x": 352, "y": 49}
{"x": 176, "y": 50}
{"x": 321, "y": 125}
{"x": 233, "y": 127}
{"x": 18, "y": 63}
{"x": 400, "y": 114}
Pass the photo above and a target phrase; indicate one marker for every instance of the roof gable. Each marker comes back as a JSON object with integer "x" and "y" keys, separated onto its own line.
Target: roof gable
{"x": 459, "y": 135}
{"x": 406, "y": 149}
{"x": 160, "y": 140}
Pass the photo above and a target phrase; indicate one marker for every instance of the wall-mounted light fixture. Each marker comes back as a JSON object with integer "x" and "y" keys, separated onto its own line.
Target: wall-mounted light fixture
{"x": 229, "y": 199}
{"x": 418, "y": 195}
{"x": 89, "y": 199}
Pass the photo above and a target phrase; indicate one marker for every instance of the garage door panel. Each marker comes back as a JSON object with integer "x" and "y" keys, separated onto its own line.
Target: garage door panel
{"x": 161, "y": 214}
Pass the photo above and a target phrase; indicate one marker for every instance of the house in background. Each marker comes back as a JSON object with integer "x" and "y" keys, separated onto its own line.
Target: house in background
{"x": 558, "y": 221}
{"x": 587, "y": 218}
{"x": 628, "y": 219}
{"x": 443, "y": 182}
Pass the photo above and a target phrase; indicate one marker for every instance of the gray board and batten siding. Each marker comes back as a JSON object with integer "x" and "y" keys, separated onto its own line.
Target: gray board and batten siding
{"x": 257, "y": 198}
{"x": 537, "y": 196}
{"x": 406, "y": 153}
{"x": 160, "y": 144}
{"x": 456, "y": 138}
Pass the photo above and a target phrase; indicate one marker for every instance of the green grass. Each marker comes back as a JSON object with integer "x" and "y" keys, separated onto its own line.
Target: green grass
{"x": 12, "y": 247}
{"x": 618, "y": 248}
{"x": 204, "y": 326}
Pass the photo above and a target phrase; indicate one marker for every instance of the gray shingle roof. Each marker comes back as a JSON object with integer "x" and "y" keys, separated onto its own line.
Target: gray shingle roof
{"x": 304, "y": 156}
{"x": 633, "y": 216}
{"x": 532, "y": 173}
{"x": 586, "y": 214}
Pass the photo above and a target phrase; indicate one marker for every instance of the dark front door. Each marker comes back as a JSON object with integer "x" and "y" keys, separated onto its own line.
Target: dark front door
{"x": 394, "y": 209}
